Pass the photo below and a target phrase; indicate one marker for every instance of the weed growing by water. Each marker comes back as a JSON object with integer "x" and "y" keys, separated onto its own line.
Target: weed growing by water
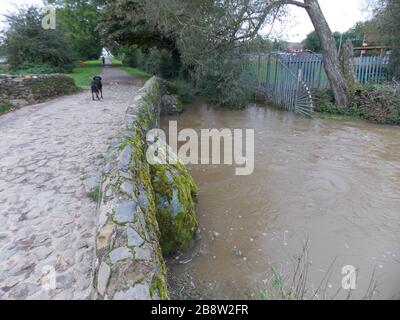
{"x": 295, "y": 287}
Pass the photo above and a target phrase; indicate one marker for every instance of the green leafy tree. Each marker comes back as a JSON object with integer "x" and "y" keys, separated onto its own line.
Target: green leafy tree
{"x": 312, "y": 42}
{"x": 167, "y": 70}
{"x": 387, "y": 18}
{"x": 202, "y": 38}
{"x": 152, "y": 62}
{"x": 261, "y": 45}
{"x": 357, "y": 34}
{"x": 134, "y": 57}
{"x": 80, "y": 19}
{"x": 203, "y": 29}
{"x": 223, "y": 81}
{"x": 27, "y": 45}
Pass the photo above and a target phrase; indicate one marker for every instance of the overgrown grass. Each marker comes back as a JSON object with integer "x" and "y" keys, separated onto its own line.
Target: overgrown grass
{"x": 351, "y": 112}
{"x": 83, "y": 75}
{"x": 94, "y": 194}
{"x": 5, "y": 108}
{"x": 129, "y": 70}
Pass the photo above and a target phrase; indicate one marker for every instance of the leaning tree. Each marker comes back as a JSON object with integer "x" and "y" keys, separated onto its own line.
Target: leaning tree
{"x": 337, "y": 79}
{"x": 200, "y": 28}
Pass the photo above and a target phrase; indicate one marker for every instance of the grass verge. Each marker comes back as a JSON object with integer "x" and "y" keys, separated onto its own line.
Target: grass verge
{"x": 116, "y": 62}
{"x": 129, "y": 70}
{"x": 83, "y": 75}
{"x": 5, "y": 108}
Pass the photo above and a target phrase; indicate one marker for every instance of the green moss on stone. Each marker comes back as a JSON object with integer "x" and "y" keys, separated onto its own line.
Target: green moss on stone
{"x": 171, "y": 205}
{"x": 160, "y": 287}
{"x": 151, "y": 211}
{"x": 176, "y": 217}
{"x": 154, "y": 93}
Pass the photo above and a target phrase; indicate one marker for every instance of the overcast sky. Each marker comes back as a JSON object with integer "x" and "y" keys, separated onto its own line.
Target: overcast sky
{"x": 341, "y": 15}
{"x": 9, "y": 5}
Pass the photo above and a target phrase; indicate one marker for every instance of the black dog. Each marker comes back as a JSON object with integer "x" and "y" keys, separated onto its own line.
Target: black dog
{"x": 97, "y": 87}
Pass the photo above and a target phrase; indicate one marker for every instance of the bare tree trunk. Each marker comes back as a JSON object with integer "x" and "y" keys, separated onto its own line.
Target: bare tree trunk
{"x": 329, "y": 52}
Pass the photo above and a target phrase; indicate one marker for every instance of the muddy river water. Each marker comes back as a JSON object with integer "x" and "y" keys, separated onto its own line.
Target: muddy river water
{"x": 332, "y": 184}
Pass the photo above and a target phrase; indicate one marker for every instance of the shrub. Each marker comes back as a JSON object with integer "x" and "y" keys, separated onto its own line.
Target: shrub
{"x": 167, "y": 70}
{"x": 378, "y": 103}
{"x": 323, "y": 98}
{"x": 373, "y": 102}
{"x": 152, "y": 62}
{"x": 183, "y": 89}
{"x": 28, "y": 68}
{"x": 133, "y": 58}
{"x": 221, "y": 81}
{"x": 331, "y": 108}
{"x": 4, "y": 68}
{"x": 28, "y": 45}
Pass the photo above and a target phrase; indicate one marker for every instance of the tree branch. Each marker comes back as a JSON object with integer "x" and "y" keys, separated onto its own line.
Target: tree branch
{"x": 293, "y": 2}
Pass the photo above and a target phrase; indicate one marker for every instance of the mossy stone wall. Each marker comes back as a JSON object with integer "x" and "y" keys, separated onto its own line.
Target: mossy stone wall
{"x": 22, "y": 90}
{"x": 176, "y": 196}
{"x": 130, "y": 263}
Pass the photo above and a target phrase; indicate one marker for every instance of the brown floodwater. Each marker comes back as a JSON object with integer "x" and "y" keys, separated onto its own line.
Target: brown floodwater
{"x": 333, "y": 184}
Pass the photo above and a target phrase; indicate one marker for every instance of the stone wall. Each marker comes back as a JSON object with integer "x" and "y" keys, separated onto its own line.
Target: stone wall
{"x": 130, "y": 264}
{"x": 22, "y": 90}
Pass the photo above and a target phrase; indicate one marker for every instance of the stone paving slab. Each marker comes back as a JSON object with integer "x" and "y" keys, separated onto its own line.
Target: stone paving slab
{"x": 50, "y": 157}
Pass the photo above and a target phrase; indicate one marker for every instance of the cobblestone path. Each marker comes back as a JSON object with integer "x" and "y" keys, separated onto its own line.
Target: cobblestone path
{"x": 50, "y": 158}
